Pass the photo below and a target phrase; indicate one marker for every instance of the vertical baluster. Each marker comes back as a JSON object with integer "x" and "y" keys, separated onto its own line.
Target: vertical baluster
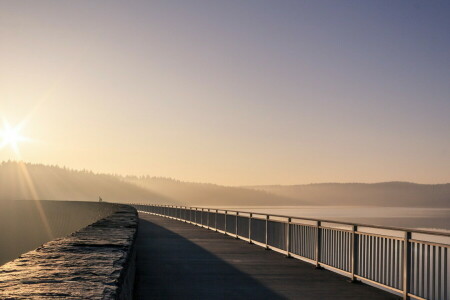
{"x": 406, "y": 264}
{"x": 267, "y": 234}
{"x": 344, "y": 250}
{"x": 353, "y": 253}
{"x": 412, "y": 267}
{"x": 416, "y": 257}
{"x": 433, "y": 272}
{"x": 428, "y": 270}
{"x": 399, "y": 266}
{"x": 318, "y": 243}
{"x": 332, "y": 248}
{"x": 329, "y": 242}
{"x": 361, "y": 255}
{"x": 306, "y": 232}
{"x": 288, "y": 225}
{"x": 324, "y": 253}
{"x": 215, "y": 219}
{"x": 309, "y": 241}
{"x": 439, "y": 274}
{"x": 374, "y": 258}
{"x": 420, "y": 287}
{"x": 236, "y": 225}
{"x": 340, "y": 249}
{"x": 349, "y": 243}
{"x": 445, "y": 264}
{"x": 225, "y": 216}
{"x": 250, "y": 228}
{"x": 366, "y": 255}
{"x": 370, "y": 256}
{"x": 388, "y": 262}
{"x": 381, "y": 259}
{"x": 201, "y": 218}
{"x": 303, "y": 232}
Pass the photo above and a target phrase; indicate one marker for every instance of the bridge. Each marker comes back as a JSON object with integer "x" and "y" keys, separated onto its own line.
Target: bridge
{"x": 173, "y": 252}
{"x": 218, "y": 258}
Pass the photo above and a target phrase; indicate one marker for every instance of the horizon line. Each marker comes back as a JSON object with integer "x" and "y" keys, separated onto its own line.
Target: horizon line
{"x": 211, "y": 183}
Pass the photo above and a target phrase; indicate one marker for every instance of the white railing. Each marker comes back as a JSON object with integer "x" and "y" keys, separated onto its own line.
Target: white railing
{"x": 412, "y": 263}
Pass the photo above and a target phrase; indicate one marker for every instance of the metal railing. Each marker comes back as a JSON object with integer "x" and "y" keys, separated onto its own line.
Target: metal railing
{"x": 412, "y": 263}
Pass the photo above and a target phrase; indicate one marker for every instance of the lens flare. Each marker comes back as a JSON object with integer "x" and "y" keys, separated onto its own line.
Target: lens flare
{"x": 10, "y": 136}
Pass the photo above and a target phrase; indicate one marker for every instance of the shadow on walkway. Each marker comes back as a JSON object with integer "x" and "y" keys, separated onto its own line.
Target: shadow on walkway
{"x": 170, "y": 266}
{"x": 176, "y": 260}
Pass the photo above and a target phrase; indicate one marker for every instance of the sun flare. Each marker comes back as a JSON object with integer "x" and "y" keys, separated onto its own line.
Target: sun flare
{"x": 10, "y": 136}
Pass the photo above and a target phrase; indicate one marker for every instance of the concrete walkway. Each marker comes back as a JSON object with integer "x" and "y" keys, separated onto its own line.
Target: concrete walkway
{"x": 176, "y": 260}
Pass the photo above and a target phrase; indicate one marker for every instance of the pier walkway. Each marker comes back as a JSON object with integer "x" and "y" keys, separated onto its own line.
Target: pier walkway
{"x": 176, "y": 260}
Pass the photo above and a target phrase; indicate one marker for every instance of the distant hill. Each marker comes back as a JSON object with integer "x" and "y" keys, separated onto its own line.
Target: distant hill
{"x": 204, "y": 194}
{"x": 374, "y": 194}
{"x": 24, "y": 181}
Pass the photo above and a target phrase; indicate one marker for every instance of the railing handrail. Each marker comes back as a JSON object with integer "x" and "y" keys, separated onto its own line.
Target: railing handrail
{"x": 391, "y": 228}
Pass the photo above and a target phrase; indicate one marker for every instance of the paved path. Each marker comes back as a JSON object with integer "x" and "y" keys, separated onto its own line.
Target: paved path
{"x": 176, "y": 260}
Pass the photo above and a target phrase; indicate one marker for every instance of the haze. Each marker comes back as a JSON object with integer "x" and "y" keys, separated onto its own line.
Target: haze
{"x": 231, "y": 92}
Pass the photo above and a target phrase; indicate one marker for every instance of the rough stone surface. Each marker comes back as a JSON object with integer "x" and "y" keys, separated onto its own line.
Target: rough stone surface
{"x": 93, "y": 263}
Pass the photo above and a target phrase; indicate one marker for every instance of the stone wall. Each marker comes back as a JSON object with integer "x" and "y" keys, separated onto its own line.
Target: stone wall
{"x": 27, "y": 224}
{"x": 96, "y": 262}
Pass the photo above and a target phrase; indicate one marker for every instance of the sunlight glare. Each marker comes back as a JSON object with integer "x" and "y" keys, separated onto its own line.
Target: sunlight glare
{"x": 10, "y": 136}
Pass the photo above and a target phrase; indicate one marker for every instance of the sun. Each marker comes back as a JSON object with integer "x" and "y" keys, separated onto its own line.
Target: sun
{"x": 10, "y": 136}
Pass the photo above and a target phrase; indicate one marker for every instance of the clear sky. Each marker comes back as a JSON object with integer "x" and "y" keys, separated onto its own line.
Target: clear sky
{"x": 231, "y": 92}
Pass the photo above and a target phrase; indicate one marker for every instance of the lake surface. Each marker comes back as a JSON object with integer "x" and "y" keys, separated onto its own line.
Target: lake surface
{"x": 436, "y": 219}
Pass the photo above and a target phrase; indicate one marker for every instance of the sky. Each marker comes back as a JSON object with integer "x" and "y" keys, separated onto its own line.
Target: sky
{"x": 231, "y": 92}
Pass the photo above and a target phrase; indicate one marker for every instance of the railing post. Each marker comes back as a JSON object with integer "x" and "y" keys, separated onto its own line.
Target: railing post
{"x": 250, "y": 228}
{"x": 237, "y": 215}
{"x": 318, "y": 244}
{"x": 406, "y": 264}
{"x": 207, "y": 219}
{"x": 201, "y": 218}
{"x": 267, "y": 234}
{"x": 225, "y": 229}
{"x": 354, "y": 253}
{"x": 288, "y": 225}
{"x": 195, "y": 216}
{"x": 215, "y": 219}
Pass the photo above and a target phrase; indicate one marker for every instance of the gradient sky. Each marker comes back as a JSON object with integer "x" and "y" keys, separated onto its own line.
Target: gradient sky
{"x": 231, "y": 92}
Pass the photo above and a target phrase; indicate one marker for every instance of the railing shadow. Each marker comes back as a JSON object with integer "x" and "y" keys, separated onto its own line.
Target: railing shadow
{"x": 169, "y": 266}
